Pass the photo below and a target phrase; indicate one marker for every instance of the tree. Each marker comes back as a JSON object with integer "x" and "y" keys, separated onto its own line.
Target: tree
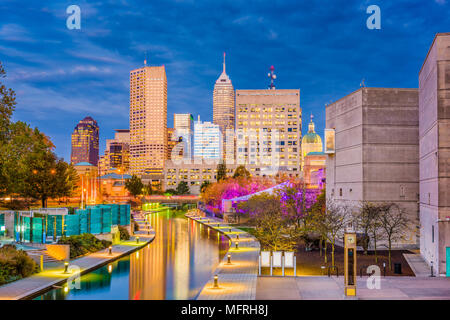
{"x": 7, "y": 106}
{"x": 204, "y": 185}
{"x": 365, "y": 219}
{"x": 221, "y": 171}
{"x": 183, "y": 188}
{"x": 394, "y": 224}
{"x": 331, "y": 223}
{"x": 241, "y": 171}
{"x": 134, "y": 185}
{"x": 272, "y": 227}
{"x": 318, "y": 209}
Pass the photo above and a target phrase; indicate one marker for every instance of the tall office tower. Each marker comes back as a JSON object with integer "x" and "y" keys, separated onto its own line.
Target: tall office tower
{"x": 268, "y": 131}
{"x": 224, "y": 108}
{"x": 207, "y": 141}
{"x": 85, "y": 142}
{"x": 148, "y": 120}
{"x": 183, "y": 124}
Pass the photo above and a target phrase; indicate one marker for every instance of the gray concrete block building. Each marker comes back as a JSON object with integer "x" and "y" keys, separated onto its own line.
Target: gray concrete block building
{"x": 434, "y": 141}
{"x": 376, "y": 155}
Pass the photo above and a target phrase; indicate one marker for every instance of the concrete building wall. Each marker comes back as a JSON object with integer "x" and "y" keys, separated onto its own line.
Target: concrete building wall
{"x": 434, "y": 133}
{"x": 377, "y": 156}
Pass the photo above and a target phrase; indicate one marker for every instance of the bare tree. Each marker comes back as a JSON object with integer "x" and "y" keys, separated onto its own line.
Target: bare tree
{"x": 394, "y": 223}
{"x": 364, "y": 220}
{"x": 331, "y": 223}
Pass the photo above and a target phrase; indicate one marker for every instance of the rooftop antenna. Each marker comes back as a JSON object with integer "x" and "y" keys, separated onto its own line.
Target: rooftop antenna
{"x": 224, "y": 62}
{"x": 272, "y": 76}
{"x": 362, "y": 84}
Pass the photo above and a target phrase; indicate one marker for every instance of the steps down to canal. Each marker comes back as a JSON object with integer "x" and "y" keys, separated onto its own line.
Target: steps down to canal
{"x": 237, "y": 280}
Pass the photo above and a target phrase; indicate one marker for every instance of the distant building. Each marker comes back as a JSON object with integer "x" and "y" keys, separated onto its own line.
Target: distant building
{"x": 207, "y": 140}
{"x": 224, "y": 109}
{"x": 88, "y": 183}
{"x": 376, "y": 151}
{"x": 314, "y": 169}
{"x": 434, "y": 142}
{"x": 193, "y": 173}
{"x": 85, "y": 145}
{"x": 148, "y": 120}
{"x": 268, "y": 130}
{"x": 183, "y": 124}
{"x": 172, "y": 141}
{"x": 117, "y": 153}
{"x": 311, "y": 142}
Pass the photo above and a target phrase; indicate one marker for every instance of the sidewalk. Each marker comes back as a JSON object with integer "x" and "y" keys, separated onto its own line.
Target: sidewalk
{"x": 237, "y": 281}
{"x": 324, "y": 288}
{"x": 53, "y": 274}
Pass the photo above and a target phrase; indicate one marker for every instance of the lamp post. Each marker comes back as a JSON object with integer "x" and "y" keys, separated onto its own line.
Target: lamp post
{"x": 229, "y": 259}
{"x": 66, "y": 267}
{"x": 216, "y": 281}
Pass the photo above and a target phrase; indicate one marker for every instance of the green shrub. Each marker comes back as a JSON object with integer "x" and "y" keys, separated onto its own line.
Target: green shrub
{"x": 124, "y": 234}
{"x": 15, "y": 264}
{"x": 84, "y": 244}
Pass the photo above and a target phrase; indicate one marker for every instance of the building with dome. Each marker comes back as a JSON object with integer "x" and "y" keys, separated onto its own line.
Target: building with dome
{"x": 311, "y": 141}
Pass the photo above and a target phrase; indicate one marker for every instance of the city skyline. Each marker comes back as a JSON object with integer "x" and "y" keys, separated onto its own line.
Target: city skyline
{"x": 69, "y": 70}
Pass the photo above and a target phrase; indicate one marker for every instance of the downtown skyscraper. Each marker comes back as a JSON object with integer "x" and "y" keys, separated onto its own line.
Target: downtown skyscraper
{"x": 85, "y": 142}
{"x": 148, "y": 120}
{"x": 224, "y": 109}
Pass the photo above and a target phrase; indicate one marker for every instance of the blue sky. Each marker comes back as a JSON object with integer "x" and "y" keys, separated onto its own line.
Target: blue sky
{"x": 321, "y": 47}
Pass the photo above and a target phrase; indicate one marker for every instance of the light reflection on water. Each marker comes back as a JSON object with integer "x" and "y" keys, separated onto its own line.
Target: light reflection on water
{"x": 175, "y": 266}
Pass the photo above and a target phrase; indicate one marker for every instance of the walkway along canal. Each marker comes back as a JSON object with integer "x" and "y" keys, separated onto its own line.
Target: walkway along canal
{"x": 176, "y": 265}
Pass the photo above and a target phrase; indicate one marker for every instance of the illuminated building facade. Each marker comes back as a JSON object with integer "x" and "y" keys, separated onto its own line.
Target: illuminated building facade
{"x": 148, "y": 120}
{"x": 311, "y": 142}
{"x": 87, "y": 184}
{"x": 268, "y": 127}
{"x": 224, "y": 107}
{"x": 117, "y": 153}
{"x": 194, "y": 173}
{"x": 85, "y": 145}
{"x": 183, "y": 124}
{"x": 207, "y": 140}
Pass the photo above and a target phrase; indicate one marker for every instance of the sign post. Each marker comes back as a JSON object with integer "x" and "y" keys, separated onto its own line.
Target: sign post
{"x": 350, "y": 264}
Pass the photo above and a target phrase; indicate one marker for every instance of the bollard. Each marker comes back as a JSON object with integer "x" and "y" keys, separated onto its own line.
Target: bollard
{"x": 237, "y": 237}
{"x": 137, "y": 239}
{"x": 237, "y": 244}
{"x": 216, "y": 281}
{"x": 110, "y": 250}
{"x": 229, "y": 230}
{"x": 66, "y": 267}
{"x": 384, "y": 269}
{"x": 42, "y": 262}
{"x": 432, "y": 273}
{"x": 229, "y": 259}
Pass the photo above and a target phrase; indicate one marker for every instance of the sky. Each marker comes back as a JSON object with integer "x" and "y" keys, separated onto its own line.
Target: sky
{"x": 323, "y": 48}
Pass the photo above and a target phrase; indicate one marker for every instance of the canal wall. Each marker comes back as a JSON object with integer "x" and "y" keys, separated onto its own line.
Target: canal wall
{"x": 235, "y": 280}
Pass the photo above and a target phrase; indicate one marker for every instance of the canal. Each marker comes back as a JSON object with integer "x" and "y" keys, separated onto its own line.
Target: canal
{"x": 175, "y": 266}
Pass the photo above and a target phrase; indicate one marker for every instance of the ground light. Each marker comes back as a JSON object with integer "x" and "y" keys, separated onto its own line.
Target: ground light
{"x": 237, "y": 245}
{"x": 229, "y": 259}
{"x": 137, "y": 239}
{"x": 216, "y": 281}
{"x": 66, "y": 267}
{"x": 110, "y": 250}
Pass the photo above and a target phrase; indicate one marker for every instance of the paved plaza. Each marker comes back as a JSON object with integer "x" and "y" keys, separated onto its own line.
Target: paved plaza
{"x": 325, "y": 288}
{"x": 237, "y": 281}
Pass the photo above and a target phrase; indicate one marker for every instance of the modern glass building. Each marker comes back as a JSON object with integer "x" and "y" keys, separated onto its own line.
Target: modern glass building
{"x": 207, "y": 140}
{"x": 85, "y": 142}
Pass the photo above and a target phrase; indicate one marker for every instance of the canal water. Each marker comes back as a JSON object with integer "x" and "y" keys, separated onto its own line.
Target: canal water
{"x": 175, "y": 266}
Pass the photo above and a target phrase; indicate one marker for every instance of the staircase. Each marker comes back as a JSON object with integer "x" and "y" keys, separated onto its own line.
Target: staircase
{"x": 37, "y": 253}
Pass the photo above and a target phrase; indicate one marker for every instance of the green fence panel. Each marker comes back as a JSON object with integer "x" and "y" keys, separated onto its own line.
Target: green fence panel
{"x": 115, "y": 214}
{"x": 124, "y": 214}
{"x": 26, "y": 221}
{"x": 37, "y": 231}
{"x": 96, "y": 220}
{"x": 2, "y": 224}
{"x": 72, "y": 225}
{"x": 106, "y": 220}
